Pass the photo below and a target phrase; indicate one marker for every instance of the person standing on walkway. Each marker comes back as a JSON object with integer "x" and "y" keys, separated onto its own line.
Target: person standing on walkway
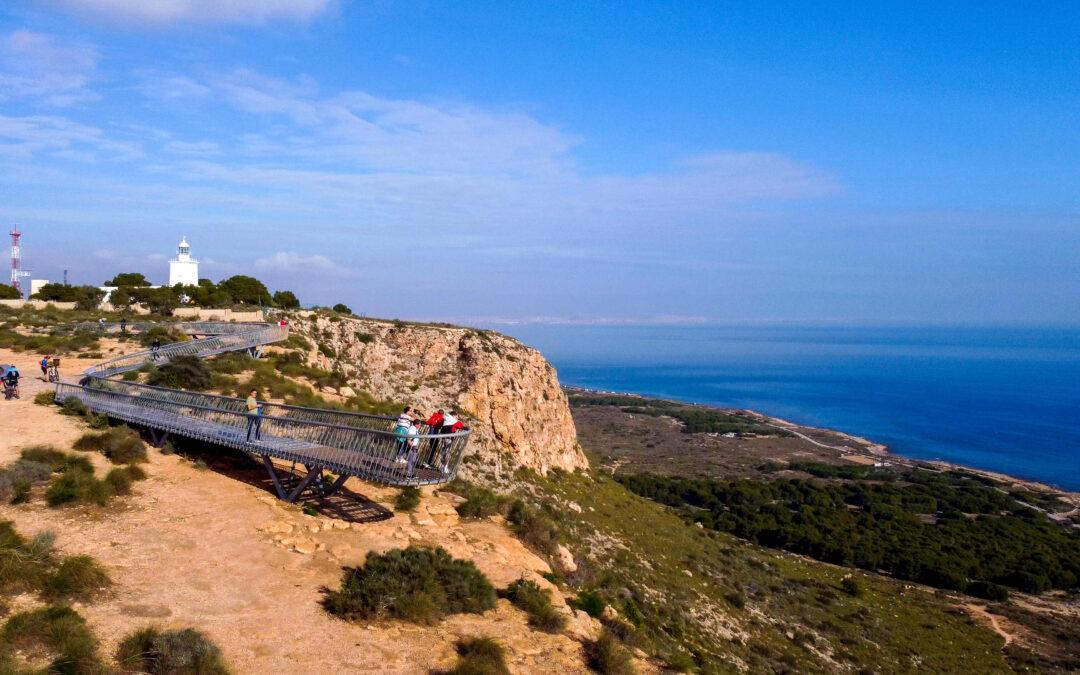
{"x": 155, "y": 347}
{"x": 254, "y": 412}
{"x": 434, "y": 426}
{"x": 123, "y": 324}
{"x": 45, "y": 367}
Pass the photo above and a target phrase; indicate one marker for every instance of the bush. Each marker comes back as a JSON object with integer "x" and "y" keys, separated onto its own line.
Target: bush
{"x": 342, "y": 308}
{"x": 851, "y": 586}
{"x": 23, "y": 564}
{"x": 186, "y": 651}
{"x": 480, "y": 656}
{"x": 408, "y": 498}
{"x": 609, "y": 656}
{"x": 47, "y": 397}
{"x": 590, "y": 603}
{"x": 182, "y": 372}
{"x": 536, "y": 602}
{"x": 533, "y": 527}
{"x": 77, "y": 485}
{"x": 414, "y": 584}
{"x": 97, "y": 421}
{"x": 480, "y": 502}
{"x": 61, "y": 632}
{"x": 74, "y": 407}
{"x": 987, "y": 590}
{"x": 120, "y": 445}
{"x": 78, "y": 576}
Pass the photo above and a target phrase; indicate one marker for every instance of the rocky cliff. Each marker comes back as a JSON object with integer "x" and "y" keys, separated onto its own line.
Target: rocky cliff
{"x": 509, "y": 393}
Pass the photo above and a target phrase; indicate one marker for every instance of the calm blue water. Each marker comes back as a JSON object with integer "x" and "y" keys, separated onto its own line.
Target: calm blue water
{"x": 1001, "y": 399}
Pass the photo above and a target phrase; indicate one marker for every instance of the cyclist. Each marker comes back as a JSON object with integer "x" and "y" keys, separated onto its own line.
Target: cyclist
{"x": 11, "y": 383}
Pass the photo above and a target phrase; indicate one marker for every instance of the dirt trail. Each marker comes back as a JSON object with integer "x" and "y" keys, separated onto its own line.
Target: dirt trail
{"x": 995, "y": 623}
{"x": 198, "y": 548}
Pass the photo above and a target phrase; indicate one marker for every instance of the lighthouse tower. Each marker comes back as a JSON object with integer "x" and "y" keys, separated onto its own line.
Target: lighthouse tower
{"x": 183, "y": 269}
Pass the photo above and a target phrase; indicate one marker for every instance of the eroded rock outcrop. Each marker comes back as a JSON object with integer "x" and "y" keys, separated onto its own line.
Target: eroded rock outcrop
{"x": 509, "y": 392}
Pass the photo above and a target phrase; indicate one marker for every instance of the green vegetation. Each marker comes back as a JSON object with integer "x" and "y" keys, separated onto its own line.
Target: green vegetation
{"x": 128, "y": 279}
{"x": 536, "y": 602}
{"x": 286, "y": 300}
{"x": 58, "y": 631}
{"x": 480, "y": 502}
{"x": 120, "y": 445}
{"x": 413, "y": 584}
{"x": 534, "y": 526}
{"x": 182, "y": 372}
{"x": 84, "y": 297}
{"x": 695, "y": 419}
{"x": 480, "y": 656}
{"x": 32, "y": 566}
{"x": 408, "y": 498}
{"x": 671, "y": 582}
{"x": 47, "y": 397}
{"x": 945, "y": 530}
{"x": 9, "y": 293}
{"x": 170, "y": 652}
{"x": 609, "y": 656}
{"x": 342, "y": 308}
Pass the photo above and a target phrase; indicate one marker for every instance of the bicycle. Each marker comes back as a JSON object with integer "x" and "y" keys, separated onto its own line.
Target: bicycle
{"x": 54, "y": 374}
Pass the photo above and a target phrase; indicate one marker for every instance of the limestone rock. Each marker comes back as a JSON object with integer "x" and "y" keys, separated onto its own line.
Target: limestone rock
{"x": 508, "y": 393}
{"x": 347, "y": 392}
{"x": 565, "y": 559}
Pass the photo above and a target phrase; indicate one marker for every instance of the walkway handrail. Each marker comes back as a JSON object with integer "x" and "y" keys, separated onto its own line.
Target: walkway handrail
{"x": 345, "y": 442}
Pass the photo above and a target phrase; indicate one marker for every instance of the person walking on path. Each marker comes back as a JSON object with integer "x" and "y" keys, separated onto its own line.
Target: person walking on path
{"x": 45, "y": 367}
{"x": 123, "y": 324}
{"x": 254, "y": 412}
{"x": 155, "y": 347}
{"x": 101, "y": 324}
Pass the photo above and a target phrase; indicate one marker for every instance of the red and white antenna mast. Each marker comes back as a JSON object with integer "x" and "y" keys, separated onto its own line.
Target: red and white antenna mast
{"x": 16, "y": 257}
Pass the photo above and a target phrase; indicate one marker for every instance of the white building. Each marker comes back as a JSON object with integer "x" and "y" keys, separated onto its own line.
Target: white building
{"x": 183, "y": 269}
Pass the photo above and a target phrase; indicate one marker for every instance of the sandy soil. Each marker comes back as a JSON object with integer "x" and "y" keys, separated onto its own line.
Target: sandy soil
{"x": 217, "y": 552}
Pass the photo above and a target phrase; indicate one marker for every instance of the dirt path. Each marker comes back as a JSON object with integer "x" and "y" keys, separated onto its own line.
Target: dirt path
{"x": 994, "y": 622}
{"x": 198, "y": 548}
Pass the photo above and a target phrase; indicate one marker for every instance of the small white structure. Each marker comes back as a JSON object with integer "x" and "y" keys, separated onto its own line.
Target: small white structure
{"x": 183, "y": 269}
{"x": 36, "y": 284}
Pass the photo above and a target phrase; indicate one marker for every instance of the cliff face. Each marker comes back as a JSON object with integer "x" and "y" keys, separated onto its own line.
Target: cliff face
{"x": 509, "y": 392}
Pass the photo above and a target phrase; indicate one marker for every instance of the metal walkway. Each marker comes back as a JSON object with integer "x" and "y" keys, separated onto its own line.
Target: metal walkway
{"x": 320, "y": 439}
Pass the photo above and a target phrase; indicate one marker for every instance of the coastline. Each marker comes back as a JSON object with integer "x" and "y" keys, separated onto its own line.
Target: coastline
{"x": 864, "y": 448}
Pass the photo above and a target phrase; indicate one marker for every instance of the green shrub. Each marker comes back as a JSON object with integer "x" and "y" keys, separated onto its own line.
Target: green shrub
{"x": 480, "y": 656}
{"x": 533, "y": 527}
{"x": 44, "y": 454}
{"x": 74, "y": 407}
{"x": 97, "y": 420}
{"x": 408, "y": 498}
{"x": 590, "y": 603}
{"x": 79, "y": 486}
{"x": 609, "y": 656}
{"x": 60, "y": 632}
{"x": 182, "y": 372}
{"x": 120, "y": 445}
{"x": 851, "y": 586}
{"x": 480, "y": 502}
{"x": 23, "y": 564}
{"x": 536, "y": 602}
{"x": 47, "y": 397}
{"x": 186, "y": 652}
{"x": 414, "y": 584}
{"x": 130, "y": 376}
{"x": 78, "y": 576}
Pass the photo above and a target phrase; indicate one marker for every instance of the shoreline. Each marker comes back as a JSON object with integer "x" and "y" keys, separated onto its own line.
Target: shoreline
{"x": 872, "y": 449}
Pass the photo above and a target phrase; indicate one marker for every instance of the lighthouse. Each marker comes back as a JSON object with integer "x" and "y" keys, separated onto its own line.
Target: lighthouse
{"x": 183, "y": 269}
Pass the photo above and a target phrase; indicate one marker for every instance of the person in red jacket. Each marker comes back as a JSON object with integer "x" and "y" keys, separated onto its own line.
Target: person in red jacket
{"x": 434, "y": 426}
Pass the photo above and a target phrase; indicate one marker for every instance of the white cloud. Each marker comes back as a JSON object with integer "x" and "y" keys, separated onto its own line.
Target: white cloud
{"x": 168, "y": 12}
{"x": 41, "y": 67}
{"x": 60, "y": 137}
{"x": 293, "y": 262}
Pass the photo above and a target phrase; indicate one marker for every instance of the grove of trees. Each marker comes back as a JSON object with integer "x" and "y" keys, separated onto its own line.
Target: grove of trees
{"x": 943, "y": 530}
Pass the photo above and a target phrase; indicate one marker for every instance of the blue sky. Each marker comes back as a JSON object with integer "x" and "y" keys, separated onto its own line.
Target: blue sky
{"x": 592, "y": 162}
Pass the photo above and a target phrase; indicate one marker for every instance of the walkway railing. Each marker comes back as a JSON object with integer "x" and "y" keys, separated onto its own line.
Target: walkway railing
{"x": 345, "y": 443}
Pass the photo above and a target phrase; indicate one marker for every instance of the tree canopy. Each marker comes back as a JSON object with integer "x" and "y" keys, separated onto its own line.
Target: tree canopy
{"x": 9, "y": 292}
{"x": 247, "y": 290}
{"x": 125, "y": 279}
{"x": 85, "y": 297}
{"x": 286, "y": 300}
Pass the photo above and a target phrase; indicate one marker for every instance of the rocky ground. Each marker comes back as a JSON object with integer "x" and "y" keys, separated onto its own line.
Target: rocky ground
{"x": 216, "y": 551}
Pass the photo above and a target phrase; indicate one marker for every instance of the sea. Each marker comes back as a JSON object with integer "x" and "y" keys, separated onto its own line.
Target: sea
{"x": 1001, "y": 399}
